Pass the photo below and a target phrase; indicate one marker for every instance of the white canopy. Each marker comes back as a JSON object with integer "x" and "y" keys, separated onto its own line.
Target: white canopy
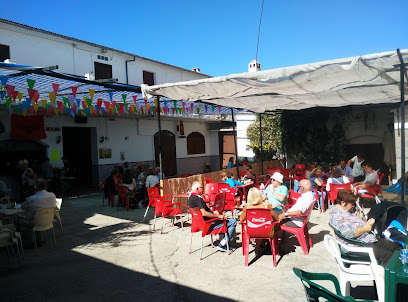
{"x": 368, "y": 79}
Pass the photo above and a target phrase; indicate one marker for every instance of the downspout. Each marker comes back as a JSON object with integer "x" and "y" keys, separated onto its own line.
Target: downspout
{"x": 126, "y": 65}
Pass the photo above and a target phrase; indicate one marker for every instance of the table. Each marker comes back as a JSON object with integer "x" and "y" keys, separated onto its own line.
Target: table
{"x": 245, "y": 188}
{"x": 394, "y": 275}
{"x": 10, "y": 213}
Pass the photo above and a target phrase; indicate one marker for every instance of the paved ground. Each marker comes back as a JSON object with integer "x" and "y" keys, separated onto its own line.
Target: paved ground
{"x": 107, "y": 254}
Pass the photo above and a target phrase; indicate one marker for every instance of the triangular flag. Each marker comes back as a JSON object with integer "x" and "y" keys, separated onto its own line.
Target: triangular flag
{"x": 35, "y": 108}
{"x": 132, "y": 108}
{"x": 89, "y": 102}
{"x": 134, "y": 98}
{"x": 44, "y": 103}
{"x": 74, "y": 90}
{"x": 144, "y": 109}
{"x": 192, "y": 107}
{"x": 99, "y": 104}
{"x": 56, "y": 111}
{"x": 184, "y": 104}
{"x": 213, "y": 107}
{"x": 10, "y": 89}
{"x": 175, "y": 104}
{"x": 31, "y": 110}
{"x": 60, "y": 107}
{"x": 66, "y": 102}
{"x": 92, "y": 93}
{"x": 47, "y": 106}
{"x": 83, "y": 105}
{"x": 14, "y": 95}
{"x": 4, "y": 80}
{"x": 165, "y": 110}
{"x": 52, "y": 97}
{"x": 165, "y": 103}
{"x": 20, "y": 96}
{"x": 219, "y": 108}
{"x": 55, "y": 87}
{"x": 11, "y": 111}
{"x": 30, "y": 84}
{"x": 106, "y": 105}
{"x": 198, "y": 109}
{"x": 124, "y": 97}
{"x": 24, "y": 112}
{"x": 110, "y": 95}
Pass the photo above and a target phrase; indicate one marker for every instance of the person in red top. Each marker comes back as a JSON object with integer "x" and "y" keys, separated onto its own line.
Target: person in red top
{"x": 245, "y": 162}
{"x": 196, "y": 201}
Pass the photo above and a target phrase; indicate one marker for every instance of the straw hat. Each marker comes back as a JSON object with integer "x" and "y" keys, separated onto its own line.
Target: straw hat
{"x": 277, "y": 176}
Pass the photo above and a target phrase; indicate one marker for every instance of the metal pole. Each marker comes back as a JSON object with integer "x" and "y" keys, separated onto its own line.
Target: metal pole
{"x": 159, "y": 137}
{"x": 260, "y": 137}
{"x": 402, "y": 85}
{"x": 235, "y": 141}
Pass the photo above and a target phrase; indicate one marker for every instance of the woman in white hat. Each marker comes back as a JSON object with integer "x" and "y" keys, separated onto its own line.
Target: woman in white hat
{"x": 276, "y": 193}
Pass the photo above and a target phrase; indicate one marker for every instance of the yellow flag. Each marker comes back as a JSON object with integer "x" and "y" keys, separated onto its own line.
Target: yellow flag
{"x": 20, "y": 96}
{"x": 155, "y": 102}
{"x": 35, "y": 107}
{"x": 24, "y": 112}
{"x": 52, "y": 97}
{"x": 182, "y": 110}
{"x": 92, "y": 93}
{"x": 147, "y": 108}
{"x": 56, "y": 110}
{"x": 44, "y": 103}
{"x": 91, "y": 109}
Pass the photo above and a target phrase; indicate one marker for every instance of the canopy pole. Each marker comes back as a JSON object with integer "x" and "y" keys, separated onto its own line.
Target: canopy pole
{"x": 260, "y": 137}
{"x": 159, "y": 138}
{"x": 402, "y": 85}
{"x": 235, "y": 141}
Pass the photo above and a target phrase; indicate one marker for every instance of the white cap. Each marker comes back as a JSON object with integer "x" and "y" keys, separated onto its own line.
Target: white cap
{"x": 277, "y": 176}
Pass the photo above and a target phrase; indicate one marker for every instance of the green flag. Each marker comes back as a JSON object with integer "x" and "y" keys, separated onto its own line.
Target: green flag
{"x": 30, "y": 84}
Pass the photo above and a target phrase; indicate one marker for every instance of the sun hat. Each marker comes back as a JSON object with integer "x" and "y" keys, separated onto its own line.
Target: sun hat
{"x": 277, "y": 176}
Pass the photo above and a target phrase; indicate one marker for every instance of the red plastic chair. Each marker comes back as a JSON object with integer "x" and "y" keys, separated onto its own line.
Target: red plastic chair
{"x": 334, "y": 190}
{"x": 152, "y": 193}
{"x": 199, "y": 224}
{"x": 219, "y": 203}
{"x": 293, "y": 197}
{"x": 208, "y": 181}
{"x": 223, "y": 187}
{"x": 377, "y": 183}
{"x": 259, "y": 225}
{"x": 166, "y": 207}
{"x": 210, "y": 191}
{"x": 123, "y": 198}
{"x": 184, "y": 175}
{"x": 302, "y": 233}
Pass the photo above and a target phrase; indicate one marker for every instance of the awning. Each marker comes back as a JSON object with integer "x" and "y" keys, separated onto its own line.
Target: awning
{"x": 362, "y": 80}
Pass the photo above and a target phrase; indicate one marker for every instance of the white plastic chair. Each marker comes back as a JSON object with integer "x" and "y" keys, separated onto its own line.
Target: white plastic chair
{"x": 8, "y": 238}
{"x": 353, "y": 270}
{"x": 43, "y": 221}
{"x": 15, "y": 234}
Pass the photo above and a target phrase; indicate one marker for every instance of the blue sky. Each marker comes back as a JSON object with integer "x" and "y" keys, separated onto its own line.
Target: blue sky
{"x": 220, "y": 36}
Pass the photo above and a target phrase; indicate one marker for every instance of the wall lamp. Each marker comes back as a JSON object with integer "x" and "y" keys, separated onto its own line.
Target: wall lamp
{"x": 102, "y": 139}
{"x": 59, "y": 139}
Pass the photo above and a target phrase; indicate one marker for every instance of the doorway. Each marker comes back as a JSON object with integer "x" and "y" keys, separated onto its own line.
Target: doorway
{"x": 169, "y": 159}
{"x": 77, "y": 149}
{"x": 227, "y": 147}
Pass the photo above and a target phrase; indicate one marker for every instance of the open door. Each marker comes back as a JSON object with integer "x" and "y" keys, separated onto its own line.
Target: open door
{"x": 168, "y": 142}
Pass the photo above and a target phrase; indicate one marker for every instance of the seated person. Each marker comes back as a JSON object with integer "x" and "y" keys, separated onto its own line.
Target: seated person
{"x": 255, "y": 200}
{"x": 41, "y": 199}
{"x": 249, "y": 175}
{"x": 337, "y": 177}
{"x": 141, "y": 179}
{"x": 129, "y": 181}
{"x": 371, "y": 177}
{"x": 125, "y": 167}
{"x": 28, "y": 180}
{"x": 196, "y": 201}
{"x": 159, "y": 174}
{"x": 110, "y": 183}
{"x": 230, "y": 163}
{"x": 276, "y": 193}
{"x": 317, "y": 183}
{"x": 309, "y": 170}
{"x": 245, "y": 162}
{"x": 345, "y": 220}
{"x": 151, "y": 179}
{"x": 135, "y": 172}
{"x": 206, "y": 168}
{"x": 300, "y": 207}
{"x": 69, "y": 170}
{"x": 346, "y": 170}
{"x": 229, "y": 179}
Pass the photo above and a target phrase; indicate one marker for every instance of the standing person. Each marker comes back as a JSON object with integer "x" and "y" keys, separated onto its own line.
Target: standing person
{"x": 46, "y": 169}
{"x": 255, "y": 201}
{"x": 196, "y": 201}
{"x": 301, "y": 206}
{"x": 276, "y": 193}
{"x": 346, "y": 170}
{"x": 337, "y": 177}
{"x": 358, "y": 172}
{"x": 29, "y": 180}
{"x": 344, "y": 219}
{"x": 230, "y": 163}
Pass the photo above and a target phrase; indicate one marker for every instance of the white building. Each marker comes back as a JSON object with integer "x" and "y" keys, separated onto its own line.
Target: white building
{"x": 128, "y": 139}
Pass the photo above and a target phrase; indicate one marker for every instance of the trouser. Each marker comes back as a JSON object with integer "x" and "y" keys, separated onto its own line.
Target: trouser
{"x": 359, "y": 178}
{"x": 383, "y": 250}
{"x": 231, "y": 225}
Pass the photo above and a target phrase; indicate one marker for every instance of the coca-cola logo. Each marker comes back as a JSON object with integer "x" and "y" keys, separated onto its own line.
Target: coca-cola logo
{"x": 262, "y": 219}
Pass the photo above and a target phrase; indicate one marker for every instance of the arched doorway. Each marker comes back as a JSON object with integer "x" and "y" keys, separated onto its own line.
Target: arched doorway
{"x": 169, "y": 160}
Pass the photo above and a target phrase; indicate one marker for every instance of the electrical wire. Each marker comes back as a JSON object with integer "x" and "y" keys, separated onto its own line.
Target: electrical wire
{"x": 259, "y": 33}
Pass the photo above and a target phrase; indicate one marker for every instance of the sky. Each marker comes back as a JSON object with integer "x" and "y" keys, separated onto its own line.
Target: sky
{"x": 220, "y": 36}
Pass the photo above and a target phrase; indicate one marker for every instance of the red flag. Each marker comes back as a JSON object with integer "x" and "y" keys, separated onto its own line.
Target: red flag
{"x": 27, "y": 128}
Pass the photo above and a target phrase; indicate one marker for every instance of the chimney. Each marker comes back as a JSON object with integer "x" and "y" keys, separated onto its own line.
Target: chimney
{"x": 196, "y": 69}
{"x": 254, "y": 66}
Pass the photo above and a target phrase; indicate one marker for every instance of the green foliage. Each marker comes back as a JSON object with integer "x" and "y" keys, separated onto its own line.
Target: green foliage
{"x": 271, "y": 136}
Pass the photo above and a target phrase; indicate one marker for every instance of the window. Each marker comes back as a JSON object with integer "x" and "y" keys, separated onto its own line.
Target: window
{"x": 102, "y": 71}
{"x": 148, "y": 78}
{"x": 4, "y": 52}
{"x": 195, "y": 143}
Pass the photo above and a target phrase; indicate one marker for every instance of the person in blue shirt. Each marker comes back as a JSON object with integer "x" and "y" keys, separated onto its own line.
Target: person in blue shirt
{"x": 276, "y": 193}
{"x": 228, "y": 178}
{"x": 346, "y": 170}
{"x": 230, "y": 163}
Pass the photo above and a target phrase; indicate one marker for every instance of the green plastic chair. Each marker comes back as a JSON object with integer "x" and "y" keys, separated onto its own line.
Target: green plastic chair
{"x": 315, "y": 291}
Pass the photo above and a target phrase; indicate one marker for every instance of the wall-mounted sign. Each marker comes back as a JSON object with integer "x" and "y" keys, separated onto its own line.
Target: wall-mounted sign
{"x": 53, "y": 129}
{"x": 105, "y": 153}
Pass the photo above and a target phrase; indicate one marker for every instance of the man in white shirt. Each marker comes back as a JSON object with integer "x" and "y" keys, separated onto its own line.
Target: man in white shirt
{"x": 300, "y": 207}
{"x": 358, "y": 172}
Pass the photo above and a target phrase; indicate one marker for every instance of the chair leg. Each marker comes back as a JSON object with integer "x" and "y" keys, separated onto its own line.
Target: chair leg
{"x": 147, "y": 209}
{"x": 191, "y": 242}
{"x": 53, "y": 233}
{"x": 202, "y": 242}
{"x": 161, "y": 232}
{"x": 212, "y": 242}
{"x": 273, "y": 250}
{"x": 308, "y": 239}
{"x": 228, "y": 249}
{"x": 35, "y": 242}
{"x": 344, "y": 286}
{"x": 303, "y": 244}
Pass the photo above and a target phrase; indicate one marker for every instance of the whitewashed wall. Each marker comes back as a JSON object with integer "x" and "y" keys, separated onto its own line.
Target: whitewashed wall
{"x": 243, "y": 121}
{"x": 397, "y": 135}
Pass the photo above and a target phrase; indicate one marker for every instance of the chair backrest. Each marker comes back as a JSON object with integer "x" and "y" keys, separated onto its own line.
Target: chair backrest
{"x": 309, "y": 211}
{"x": 258, "y": 222}
{"x": 44, "y": 217}
{"x": 59, "y": 204}
{"x": 208, "y": 181}
{"x": 152, "y": 193}
{"x": 284, "y": 172}
{"x": 335, "y": 188}
{"x": 197, "y": 223}
{"x": 211, "y": 190}
{"x": 293, "y": 197}
{"x": 314, "y": 291}
{"x": 223, "y": 187}
{"x": 333, "y": 249}
{"x": 121, "y": 191}
{"x": 300, "y": 167}
{"x": 219, "y": 202}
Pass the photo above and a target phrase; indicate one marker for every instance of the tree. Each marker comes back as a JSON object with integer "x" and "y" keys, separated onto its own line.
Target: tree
{"x": 271, "y": 136}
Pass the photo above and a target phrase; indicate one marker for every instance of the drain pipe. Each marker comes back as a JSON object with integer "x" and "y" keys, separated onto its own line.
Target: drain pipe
{"x": 126, "y": 65}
